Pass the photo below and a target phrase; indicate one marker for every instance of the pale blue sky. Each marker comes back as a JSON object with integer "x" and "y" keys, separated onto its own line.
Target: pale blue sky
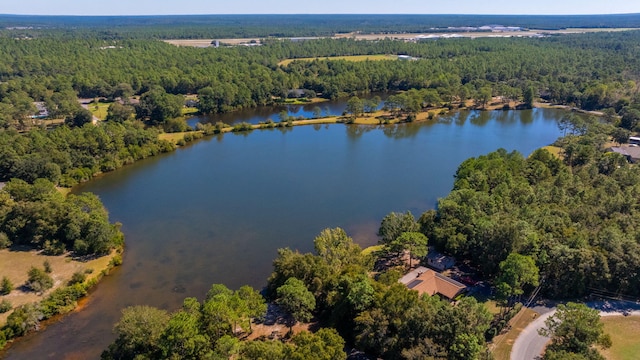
{"x": 158, "y": 7}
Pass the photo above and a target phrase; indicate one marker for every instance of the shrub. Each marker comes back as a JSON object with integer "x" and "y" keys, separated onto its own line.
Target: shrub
{"x": 219, "y": 126}
{"x": 175, "y": 126}
{"x": 62, "y": 300}
{"x": 39, "y": 280}
{"x": 5, "y": 306}
{"x": 6, "y": 286}
{"x": 47, "y": 267}
{"x": 116, "y": 261}
{"x": 4, "y": 241}
{"x": 243, "y": 126}
{"x": 24, "y": 319}
{"x": 78, "y": 278}
{"x": 54, "y": 247}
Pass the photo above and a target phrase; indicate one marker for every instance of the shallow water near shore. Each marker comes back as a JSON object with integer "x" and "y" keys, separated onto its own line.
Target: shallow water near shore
{"x": 216, "y": 211}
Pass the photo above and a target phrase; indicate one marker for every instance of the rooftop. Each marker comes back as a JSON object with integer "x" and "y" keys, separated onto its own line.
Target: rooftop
{"x": 427, "y": 281}
{"x": 631, "y": 151}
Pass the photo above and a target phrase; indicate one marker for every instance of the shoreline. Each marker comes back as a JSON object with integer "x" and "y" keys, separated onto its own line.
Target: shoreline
{"x": 379, "y": 117}
{"x": 95, "y": 269}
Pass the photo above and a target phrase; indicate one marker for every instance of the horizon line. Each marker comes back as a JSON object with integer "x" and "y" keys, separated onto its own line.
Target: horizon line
{"x": 312, "y": 14}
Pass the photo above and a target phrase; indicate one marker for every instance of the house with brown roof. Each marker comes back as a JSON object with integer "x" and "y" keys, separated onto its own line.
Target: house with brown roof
{"x": 427, "y": 281}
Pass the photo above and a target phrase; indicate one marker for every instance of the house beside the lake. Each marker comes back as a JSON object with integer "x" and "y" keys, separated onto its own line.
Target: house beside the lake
{"x": 427, "y": 281}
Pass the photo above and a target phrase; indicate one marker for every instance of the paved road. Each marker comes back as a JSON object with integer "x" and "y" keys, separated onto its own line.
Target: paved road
{"x": 529, "y": 345}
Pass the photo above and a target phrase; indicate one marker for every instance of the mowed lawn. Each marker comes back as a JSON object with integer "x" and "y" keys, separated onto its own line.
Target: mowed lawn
{"x": 99, "y": 110}
{"x": 625, "y": 336}
{"x": 347, "y": 58}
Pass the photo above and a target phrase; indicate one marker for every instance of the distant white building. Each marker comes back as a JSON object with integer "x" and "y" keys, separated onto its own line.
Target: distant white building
{"x": 407, "y": 58}
{"x": 42, "y": 113}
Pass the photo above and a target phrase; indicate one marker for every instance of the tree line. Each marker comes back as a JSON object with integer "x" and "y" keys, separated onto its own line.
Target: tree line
{"x": 39, "y": 216}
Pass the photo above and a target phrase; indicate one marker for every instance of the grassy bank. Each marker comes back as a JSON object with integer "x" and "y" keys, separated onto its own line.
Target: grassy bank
{"x": 62, "y": 297}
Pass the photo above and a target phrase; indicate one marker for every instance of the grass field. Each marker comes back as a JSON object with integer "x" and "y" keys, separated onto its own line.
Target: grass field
{"x": 304, "y": 101}
{"x": 555, "y": 151}
{"x": 16, "y": 264}
{"x": 625, "y": 336}
{"x": 99, "y": 110}
{"x": 347, "y": 58}
{"x": 172, "y": 137}
{"x": 372, "y": 249}
{"x": 189, "y": 111}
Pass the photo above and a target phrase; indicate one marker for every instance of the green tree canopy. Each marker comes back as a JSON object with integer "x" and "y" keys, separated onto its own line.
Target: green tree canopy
{"x": 294, "y": 298}
{"x": 355, "y": 106}
{"x": 575, "y": 329}
{"x": 516, "y": 272}
{"x": 413, "y": 242}
{"x": 138, "y": 332}
{"x": 158, "y": 106}
{"x": 394, "y": 224}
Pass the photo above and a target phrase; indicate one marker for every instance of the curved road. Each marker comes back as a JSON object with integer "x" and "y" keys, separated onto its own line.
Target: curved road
{"x": 529, "y": 345}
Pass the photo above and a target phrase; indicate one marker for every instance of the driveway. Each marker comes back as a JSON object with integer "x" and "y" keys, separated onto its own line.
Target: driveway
{"x": 94, "y": 119}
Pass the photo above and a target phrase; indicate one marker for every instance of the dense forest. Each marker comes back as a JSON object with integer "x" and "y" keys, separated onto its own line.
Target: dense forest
{"x": 67, "y": 156}
{"x": 264, "y": 26}
{"x": 567, "y": 223}
{"x": 578, "y": 222}
{"x": 40, "y": 216}
{"x": 591, "y": 71}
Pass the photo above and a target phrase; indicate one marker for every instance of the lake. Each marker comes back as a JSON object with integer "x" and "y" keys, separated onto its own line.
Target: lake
{"x": 256, "y": 115}
{"x": 217, "y": 210}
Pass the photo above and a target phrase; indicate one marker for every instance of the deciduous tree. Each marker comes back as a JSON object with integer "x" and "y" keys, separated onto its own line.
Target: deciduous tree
{"x": 294, "y": 298}
{"x": 516, "y": 272}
